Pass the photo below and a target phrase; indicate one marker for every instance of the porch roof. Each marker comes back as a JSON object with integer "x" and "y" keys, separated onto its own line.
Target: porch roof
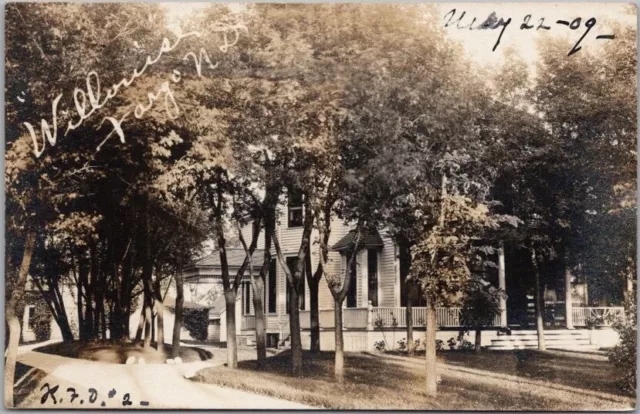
{"x": 235, "y": 258}
{"x": 370, "y": 239}
{"x": 170, "y": 302}
{"x": 208, "y": 269}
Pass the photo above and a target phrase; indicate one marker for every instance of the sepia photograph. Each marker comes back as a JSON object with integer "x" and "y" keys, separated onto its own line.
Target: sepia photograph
{"x": 305, "y": 206}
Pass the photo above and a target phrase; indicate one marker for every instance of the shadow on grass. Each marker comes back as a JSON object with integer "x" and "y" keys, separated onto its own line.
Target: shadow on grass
{"x": 377, "y": 382}
{"x": 359, "y": 369}
{"x": 29, "y": 378}
{"x": 574, "y": 371}
{"x": 369, "y": 383}
{"x": 116, "y": 352}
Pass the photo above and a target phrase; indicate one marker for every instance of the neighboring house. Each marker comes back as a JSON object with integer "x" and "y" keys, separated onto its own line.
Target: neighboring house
{"x": 36, "y": 321}
{"x": 38, "y": 325}
{"x": 377, "y": 296}
{"x": 195, "y": 320}
{"x": 218, "y": 320}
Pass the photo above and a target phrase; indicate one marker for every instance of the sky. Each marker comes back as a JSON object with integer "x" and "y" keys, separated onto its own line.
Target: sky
{"x": 478, "y": 44}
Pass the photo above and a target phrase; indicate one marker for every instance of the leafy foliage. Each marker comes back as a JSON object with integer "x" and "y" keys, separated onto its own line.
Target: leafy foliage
{"x": 624, "y": 355}
{"x": 480, "y": 304}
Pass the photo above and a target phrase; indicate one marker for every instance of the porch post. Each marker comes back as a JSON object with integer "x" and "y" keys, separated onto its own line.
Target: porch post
{"x": 567, "y": 298}
{"x": 369, "y": 317}
{"x": 503, "y": 285}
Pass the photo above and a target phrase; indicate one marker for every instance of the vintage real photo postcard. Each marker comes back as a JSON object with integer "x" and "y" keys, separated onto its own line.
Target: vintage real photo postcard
{"x": 426, "y": 206}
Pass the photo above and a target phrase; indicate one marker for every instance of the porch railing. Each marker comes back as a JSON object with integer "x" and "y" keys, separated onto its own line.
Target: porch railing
{"x": 596, "y": 316}
{"x": 445, "y": 317}
{"x": 386, "y": 317}
{"x": 352, "y": 318}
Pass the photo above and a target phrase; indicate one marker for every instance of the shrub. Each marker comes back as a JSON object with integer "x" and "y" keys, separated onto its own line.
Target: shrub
{"x": 452, "y": 343}
{"x": 402, "y": 344}
{"x": 439, "y": 344}
{"x": 623, "y": 355}
{"x": 380, "y": 346}
{"x": 196, "y": 321}
{"x": 466, "y": 345}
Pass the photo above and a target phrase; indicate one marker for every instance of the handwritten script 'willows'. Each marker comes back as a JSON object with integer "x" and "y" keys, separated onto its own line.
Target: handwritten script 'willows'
{"x": 87, "y": 101}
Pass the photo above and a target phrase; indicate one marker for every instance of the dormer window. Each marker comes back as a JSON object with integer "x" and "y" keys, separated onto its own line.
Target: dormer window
{"x": 295, "y": 216}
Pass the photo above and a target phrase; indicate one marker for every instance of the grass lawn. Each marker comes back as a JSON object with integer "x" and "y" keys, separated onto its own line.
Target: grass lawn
{"x": 587, "y": 372}
{"x": 381, "y": 382}
{"x": 29, "y": 378}
{"x": 116, "y": 352}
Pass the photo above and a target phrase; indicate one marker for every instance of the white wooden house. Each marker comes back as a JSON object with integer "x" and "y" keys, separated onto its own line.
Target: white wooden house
{"x": 377, "y": 290}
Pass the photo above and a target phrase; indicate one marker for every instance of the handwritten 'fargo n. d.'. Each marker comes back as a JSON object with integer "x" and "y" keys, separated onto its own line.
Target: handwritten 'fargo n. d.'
{"x": 87, "y": 101}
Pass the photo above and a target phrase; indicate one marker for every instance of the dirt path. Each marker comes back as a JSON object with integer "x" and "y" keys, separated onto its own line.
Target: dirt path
{"x": 151, "y": 386}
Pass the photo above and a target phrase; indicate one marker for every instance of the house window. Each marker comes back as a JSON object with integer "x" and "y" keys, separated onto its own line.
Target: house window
{"x": 291, "y": 263}
{"x": 295, "y": 215}
{"x": 30, "y": 316}
{"x": 372, "y": 267}
{"x": 272, "y": 287}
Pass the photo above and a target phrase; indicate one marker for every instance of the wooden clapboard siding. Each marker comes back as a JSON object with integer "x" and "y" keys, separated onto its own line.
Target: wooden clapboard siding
{"x": 213, "y": 331}
{"x": 290, "y": 238}
{"x": 334, "y": 263}
{"x": 247, "y": 233}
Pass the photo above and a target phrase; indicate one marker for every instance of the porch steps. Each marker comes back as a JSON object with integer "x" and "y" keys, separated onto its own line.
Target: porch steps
{"x": 574, "y": 340}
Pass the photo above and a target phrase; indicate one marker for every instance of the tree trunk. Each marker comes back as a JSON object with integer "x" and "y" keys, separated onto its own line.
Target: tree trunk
{"x": 82, "y": 332}
{"x": 409, "y": 316}
{"x": 430, "y": 351}
{"x": 568, "y": 306}
{"x": 232, "y": 345}
{"x": 148, "y": 315}
{"x": 55, "y": 303}
{"x": 478, "y": 344}
{"x": 159, "y": 306}
{"x": 175, "y": 351}
{"x": 539, "y": 304}
{"x": 12, "y": 319}
{"x": 261, "y": 331}
{"x": 99, "y": 326}
{"x": 84, "y": 322}
{"x": 89, "y": 292}
{"x": 314, "y": 315}
{"x": 502, "y": 284}
{"x": 339, "y": 355}
{"x": 103, "y": 321}
{"x": 294, "y": 329}
{"x": 153, "y": 324}
{"x": 140, "y": 330}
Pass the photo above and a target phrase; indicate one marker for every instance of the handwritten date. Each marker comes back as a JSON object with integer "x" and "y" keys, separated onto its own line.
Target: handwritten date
{"x": 529, "y": 23}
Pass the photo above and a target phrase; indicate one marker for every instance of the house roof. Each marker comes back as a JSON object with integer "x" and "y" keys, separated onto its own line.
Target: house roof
{"x": 370, "y": 238}
{"x": 219, "y": 306}
{"x": 170, "y": 302}
{"x": 235, "y": 258}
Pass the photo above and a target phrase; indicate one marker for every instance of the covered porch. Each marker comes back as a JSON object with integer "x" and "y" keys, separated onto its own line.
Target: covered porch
{"x": 375, "y": 318}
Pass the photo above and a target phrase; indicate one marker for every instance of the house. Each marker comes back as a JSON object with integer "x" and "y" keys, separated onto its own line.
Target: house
{"x": 199, "y": 320}
{"x": 375, "y": 306}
